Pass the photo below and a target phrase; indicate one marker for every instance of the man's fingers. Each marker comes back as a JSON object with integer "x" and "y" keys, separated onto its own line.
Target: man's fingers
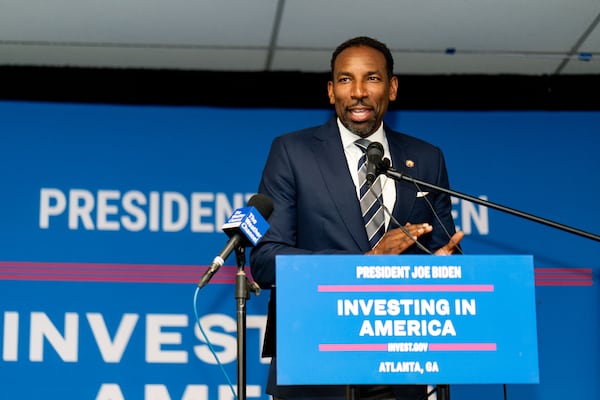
{"x": 448, "y": 249}
{"x": 456, "y": 238}
{"x": 398, "y": 240}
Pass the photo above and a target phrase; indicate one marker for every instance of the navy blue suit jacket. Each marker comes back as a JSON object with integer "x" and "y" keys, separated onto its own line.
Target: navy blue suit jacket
{"x": 316, "y": 209}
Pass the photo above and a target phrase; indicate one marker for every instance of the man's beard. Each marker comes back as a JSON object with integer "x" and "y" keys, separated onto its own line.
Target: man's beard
{"x": 362, "y": 129}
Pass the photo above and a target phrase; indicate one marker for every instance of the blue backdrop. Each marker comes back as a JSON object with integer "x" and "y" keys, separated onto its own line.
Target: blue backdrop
{"x": 110, "y": 214}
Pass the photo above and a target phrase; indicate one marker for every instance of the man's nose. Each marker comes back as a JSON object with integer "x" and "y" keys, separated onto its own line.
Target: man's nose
{"x": 358, "y": 90}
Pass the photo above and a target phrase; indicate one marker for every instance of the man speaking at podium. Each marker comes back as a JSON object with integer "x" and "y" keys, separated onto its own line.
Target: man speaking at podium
{"x": 315, "y": 175}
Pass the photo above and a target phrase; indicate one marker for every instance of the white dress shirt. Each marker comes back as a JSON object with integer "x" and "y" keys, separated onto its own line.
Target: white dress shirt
{"x": 354, "y": 153}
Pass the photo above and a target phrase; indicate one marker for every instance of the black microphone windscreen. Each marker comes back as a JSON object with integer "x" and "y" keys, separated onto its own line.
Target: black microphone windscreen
{"x": 262, "y": 203}
{"x": 375, "y": 148}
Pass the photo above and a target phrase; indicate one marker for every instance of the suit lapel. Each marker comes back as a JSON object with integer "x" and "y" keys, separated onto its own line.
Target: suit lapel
{"x": 405, "y": 192}
{"x": 331, "y": 160}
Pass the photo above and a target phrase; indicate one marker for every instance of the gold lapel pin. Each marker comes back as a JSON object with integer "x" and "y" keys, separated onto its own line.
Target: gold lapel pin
{"x": 410, "y": 163}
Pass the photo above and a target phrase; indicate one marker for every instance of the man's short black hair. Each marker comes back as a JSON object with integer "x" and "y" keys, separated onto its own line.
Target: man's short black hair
{"x": 369, "y": 42}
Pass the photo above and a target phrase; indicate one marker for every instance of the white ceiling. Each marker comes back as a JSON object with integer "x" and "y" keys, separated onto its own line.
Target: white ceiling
{"x": 531, "y": 37}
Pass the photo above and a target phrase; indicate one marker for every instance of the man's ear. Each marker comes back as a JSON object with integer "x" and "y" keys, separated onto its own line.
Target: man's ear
{"x": 330, "y": 92}
{"x": 393, "y": 88}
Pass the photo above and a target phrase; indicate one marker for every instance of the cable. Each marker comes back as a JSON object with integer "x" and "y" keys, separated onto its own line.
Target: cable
{"x": 210, "y": 345}
{"x": 438, "y": 219}
{"x": 395, "y": 221}
{"x": 433, "y": 391}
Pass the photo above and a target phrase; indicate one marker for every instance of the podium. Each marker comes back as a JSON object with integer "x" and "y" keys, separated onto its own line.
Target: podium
{"x": 393, "y": 320}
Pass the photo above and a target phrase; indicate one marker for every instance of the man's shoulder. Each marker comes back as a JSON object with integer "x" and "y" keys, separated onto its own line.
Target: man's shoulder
{"x": 308, "y": 132}
{"x": 409, "y": 142}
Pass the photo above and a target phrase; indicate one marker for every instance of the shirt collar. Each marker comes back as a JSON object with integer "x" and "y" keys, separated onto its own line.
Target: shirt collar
{"x": 348, "y": 138}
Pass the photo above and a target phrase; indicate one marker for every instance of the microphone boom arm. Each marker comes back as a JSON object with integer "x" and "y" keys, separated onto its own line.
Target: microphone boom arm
{"x": 399, "y": 176}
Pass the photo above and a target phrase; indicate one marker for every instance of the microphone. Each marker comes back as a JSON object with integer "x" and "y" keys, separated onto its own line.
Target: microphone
{"x": 245, "y": 227}
{"x": 374, "y": 154}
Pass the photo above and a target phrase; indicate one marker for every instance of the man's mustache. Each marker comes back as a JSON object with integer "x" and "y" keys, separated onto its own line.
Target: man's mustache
{"x": 359, "y": 102}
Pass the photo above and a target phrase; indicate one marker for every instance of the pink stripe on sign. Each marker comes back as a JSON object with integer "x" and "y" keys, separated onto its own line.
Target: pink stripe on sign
{"x": 405, "y": 288}
{"x": 462, "y": 347}
{"x": 353, "y": 347}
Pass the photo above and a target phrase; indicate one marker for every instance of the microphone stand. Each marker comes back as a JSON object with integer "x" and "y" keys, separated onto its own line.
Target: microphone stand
{"x": 242, "y": 293}
{"x": 352, "y": 393}
{"x": 384, "y": 168}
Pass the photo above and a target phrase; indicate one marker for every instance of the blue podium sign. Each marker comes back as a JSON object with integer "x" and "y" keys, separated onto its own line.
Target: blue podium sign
{"x": 345, "y": 319}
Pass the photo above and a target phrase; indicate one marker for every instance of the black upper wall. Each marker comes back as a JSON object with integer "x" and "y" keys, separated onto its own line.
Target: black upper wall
{"x": 293, "y": 89}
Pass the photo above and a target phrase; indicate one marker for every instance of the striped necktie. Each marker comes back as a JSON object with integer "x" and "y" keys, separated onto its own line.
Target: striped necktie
{"x": 372, "y": 211}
